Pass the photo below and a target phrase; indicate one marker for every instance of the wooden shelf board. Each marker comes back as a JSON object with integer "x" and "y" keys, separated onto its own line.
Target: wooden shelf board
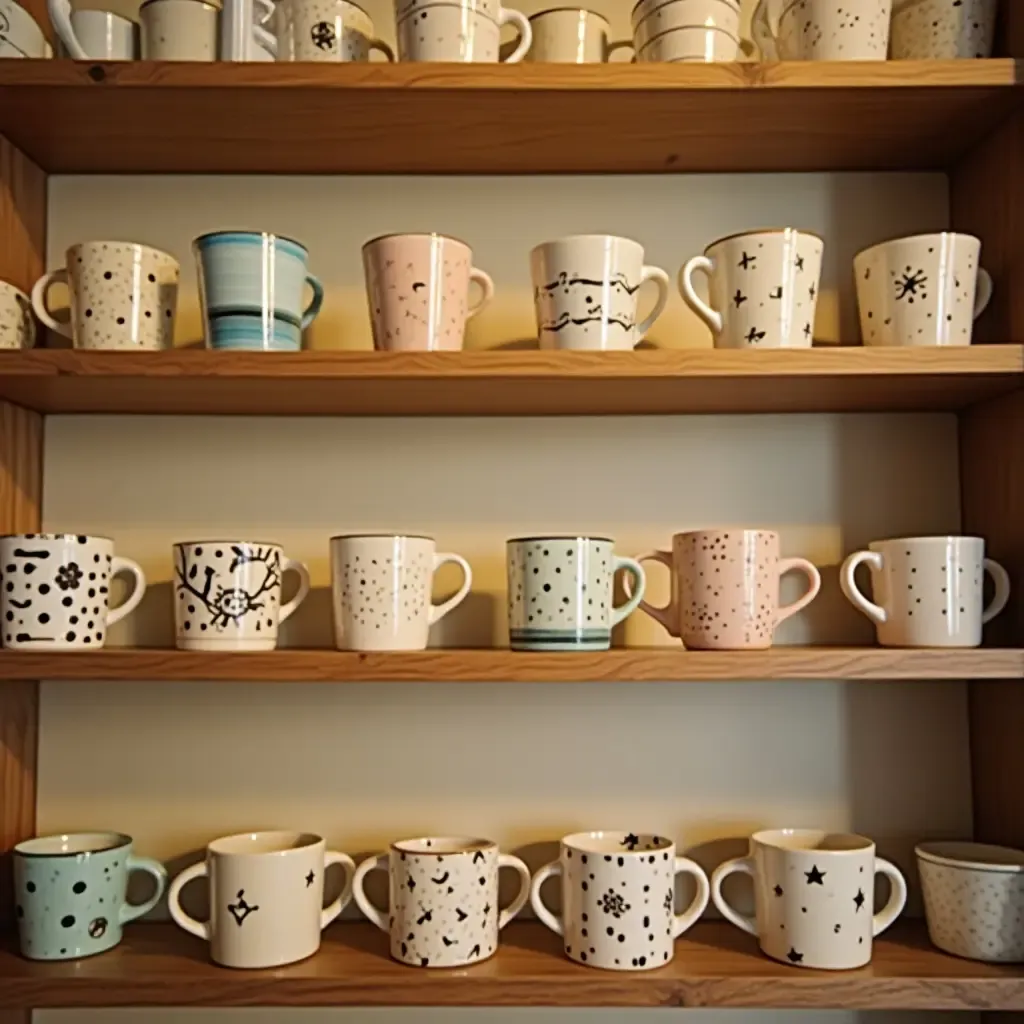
{"x": 509, "y": 383}
{"x": 714, "y": 965}
{"x": 639, "y": 664}
{"x": 141, "y": 117}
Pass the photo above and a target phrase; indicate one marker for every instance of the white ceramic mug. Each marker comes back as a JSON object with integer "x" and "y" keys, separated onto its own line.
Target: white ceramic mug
{"x": 650, "y": 18}
{"x": 921, "y": 290}
{"x": 762, "y": 288}
{"x": 822, "y": 29}
{"x": 692, "y": 44}
{"x": 179, "y": 30}
{"x": 585, "y": 291}
{"x": 462, "y": 31}
{"x": 99, "y": 35}
{"x": 618, "y": 898}
{"x": 327, "y": 30}
{"x": 443, "y": 907}
{"x": 941, "y": 30}
{"x": 266, "y": 897}
{"x": 927, "y": 590}
{"x": 17, "y": 325}
{"x": 569, "y": 35}
{"x": 20, "y": 35}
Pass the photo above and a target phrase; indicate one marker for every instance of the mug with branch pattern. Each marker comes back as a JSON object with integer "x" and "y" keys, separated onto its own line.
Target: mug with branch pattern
{"x": 227, "y": 594}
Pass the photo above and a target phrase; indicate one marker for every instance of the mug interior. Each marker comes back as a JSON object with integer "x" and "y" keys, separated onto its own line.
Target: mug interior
{"x": 441, "y": 845}
{"x": 618, "y": 842}
{"x": 813, "y": 839}
{"x": 72, "y": 843}
{"x": 245, "y": 236}
{"x": 264, "y": 842}
{"x": 973, "y": 856}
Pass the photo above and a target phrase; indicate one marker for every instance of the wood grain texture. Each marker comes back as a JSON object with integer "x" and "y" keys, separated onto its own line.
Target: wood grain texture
{"x": 479, "y": 119}
{"x": 22, "y": 218}
{"x": 527, "y": 382}
{"x": 638, "y": 664}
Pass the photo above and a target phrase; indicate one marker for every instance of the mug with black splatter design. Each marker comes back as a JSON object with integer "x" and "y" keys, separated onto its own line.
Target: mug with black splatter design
{"x": 55, "y": 590}
{"x": 443, "y": 908}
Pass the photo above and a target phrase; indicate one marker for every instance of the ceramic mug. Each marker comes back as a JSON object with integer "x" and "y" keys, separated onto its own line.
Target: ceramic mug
{"x": 70, "y": 893}
{"x": 250, "y": 287}
{"x": 813, "y": 896}
{"x": 100, "y": 35}
{"x": 927, "y": 590}
{"x": 381, "y": 588}
{"x": 327, "y": 30}
{"x": 692, "y": 44}
{"x": 266, "y": 897}
{"x": 822, "y": 29}
{"x": 123, "y": 295}
{"x": 20, "y": 35}
{"x": 228, "y": 594}
{"x": 17, "y": 325}
{"x": 56, "y": 590}
{"x": 570, "y": 35}
{"x": 179, "y": 30}
{"x": 443, "y": 908}
{"x": 941, "y": 30}
{"x": 560, "y": 593}
{"x": 618, "y": 897}
{"x": 922, "y": 290}
{"x": 762, "y": 288}
{"x": 460, "y": 31}
{"x": 650, "y": 18}
{"x": 725, "y": 588}
{"x": 585, "y": 290}
{"x": 418, "y": 290}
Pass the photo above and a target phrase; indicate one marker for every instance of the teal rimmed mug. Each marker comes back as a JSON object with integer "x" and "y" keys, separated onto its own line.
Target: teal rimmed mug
{"x": 70, "y": 893}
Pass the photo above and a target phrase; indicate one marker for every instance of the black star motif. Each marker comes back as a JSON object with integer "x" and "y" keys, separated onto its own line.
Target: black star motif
{"x": 747, "y": 261}
{"x": 778, "y": 890}
{"x": 411, "y": 883}
{"x": 799, "y": 263}
{"x": 777, "y": 294}
{"x": 241, "y": 910}
{"x": 754, "y": 335}
{"x": 739, "y": 298}
{"x": 309, "y": 879}
{"x": 322, "y": 35}
{"x": 907, "y": 286}
{"x": 631, "y": 841}
{"x": 814, "y": 876}
{"x": 807, "y": 330}
{"x": 794, "y": 957}
{"x": 859, "y": 900}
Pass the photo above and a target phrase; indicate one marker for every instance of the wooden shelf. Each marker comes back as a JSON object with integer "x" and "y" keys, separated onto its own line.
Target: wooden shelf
{"x": 142, "y": 117}
{"x": 714, "y": 965}
{"x": 509, "y": 383}
{"x": 638, "y": 664}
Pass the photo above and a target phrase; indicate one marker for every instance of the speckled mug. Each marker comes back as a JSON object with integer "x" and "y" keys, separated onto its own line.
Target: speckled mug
{"x": 123, "y": 296}
{"x": 942, "y": 29}
{"x": 17, "y": 325}
{"x": 822, "y": 29}
{"x": 459, "y": 31}
{"x": 326, "y": 30}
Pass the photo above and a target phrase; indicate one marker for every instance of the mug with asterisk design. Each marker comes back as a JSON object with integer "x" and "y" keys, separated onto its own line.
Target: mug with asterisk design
{"x": 922, "y": 290}
{"x": 813, "y": 896}
{"x": 266, "y": 897}
{"x": 762, "y": 288}
{"x": 55, "y": 592}
{"x": 227, "y": 594}
{"x": 326, "y": 30}
{"x": 443, "y": 906}
{"x": 618, "y": 899}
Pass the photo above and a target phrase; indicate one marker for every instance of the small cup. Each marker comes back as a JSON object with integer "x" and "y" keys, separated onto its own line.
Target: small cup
{"x": 570, "y": 35}
{"x": 228, "y": 594}
{"x": 102, "y": 35}
{"x": 443, "y": 908}
{"x": 460, "y": 31}
{"x": 179, "y": 30}
{"x": 266, "y": 897}
{"x": 939, "y": 30}
{"x": 691, "y": 44}
{"x": 814, "y": 894}
{"x": 20, "y": 34}
{"x": 651, "y": 18}
{"x": 327, "y": 31}
{"x": 17, "y": 325}
{"x": 56, "y": 590}
{"x": 70, "y": 893}
{"x": 618, "y": 895}
{"x": 927, "y": 590}
{"x": 822, "y": 29}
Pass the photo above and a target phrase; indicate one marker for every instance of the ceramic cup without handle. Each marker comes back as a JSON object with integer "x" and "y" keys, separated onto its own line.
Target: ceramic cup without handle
{"x": 250, "y": 288}
{"x": 762, "y": 288}
{"x": 327, "y": 30}
{"x": 70, "y": 893}
{"x": 691, "y": 44}
{"x": 942, "y": 30}
{"x": 17, "y": 325}
{"x": 20, "y": 35}
{"x": 228, "y": 594}
{"x": 417, "y": 287}
{"x": 618, "y": 898}
{"x": 585, "y": 291}
{"x": 922, "y": 290}
{"x": 570, "y": 35}
{"x": 560, "y": 593}
{"x": 266, "y": 897}
{"x": 813, "y": 896}
{"x": 822, "y": 29}
{"x": 460, "y": 32}
{"x": 928, "y": 591}
{"x": 443, "y": 907}
{"x": 55, "y": 593}
{"x": 101, "y": 35}
{"x": 179, "y": 30}
{"x": 123, "y": 296}
{"x": 381, "y": 588}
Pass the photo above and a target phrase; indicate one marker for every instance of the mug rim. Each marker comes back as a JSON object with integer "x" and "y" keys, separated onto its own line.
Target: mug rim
{"x": 768, "y": 837}
{"x": 935, "y": 539}
{"x": 54, "y": 536}
{"x": 557, "y": 537}
{"x": 930, "y": 852}
{"x": 586, "y": 238}
{"x": 918, "y": 238}
{"x": 242, "y": 231}
{"x": 569, "y": 10}
{"x": 690, "y": 28}
{"x": 728, "y": 529}
{"x": 115, "y": 241}
{"x": 248, "y": 543}
{"x": 202, "y": 3}
{"x": 579, "y": 840}
{"x": 308, "y": 840}
{"x": 415, "y": 234}
{"x": 381, "y": 536}
{"x": 467, "y": 844}
{"x": 761, "y": 231}
{"x": 119, "y": 840}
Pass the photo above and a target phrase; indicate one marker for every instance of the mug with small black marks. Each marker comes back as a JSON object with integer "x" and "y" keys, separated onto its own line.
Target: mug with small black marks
{"x": 17, "y": 325}
{"x": 70, "y": 893}
{"x": 618, "y": 899}
{"x": 943, "y": 30}
{"x": 266, "y": 897}
{"x": 459, "y": 30}
{"x": 814, "y": 894}
{"x": 443, "y": 906}
{"x": 326, "y": 30}
{"x": 822, "y": 29}
{"x": 586, "y": 290}
{"x": 55, "y": 590}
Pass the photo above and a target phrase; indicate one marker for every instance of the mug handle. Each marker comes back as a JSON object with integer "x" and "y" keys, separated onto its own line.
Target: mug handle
{"x": 40, "y": 291}
{"x": 984, "y": 294}
{"x": 332, "y": 910}
{"x": 813, "y": 577}
{"x": 545, "y": 915}
{"x": 710, "y": 316}
{"x": 622, "y": 44}
{"x": 152, "y": 867}
{"x": 180, "y": 918}
{"x": 742, "y": 865}
{"x": 268, "y": 10}
{"x": 439, "y": 611}
{"x": 118, "y": 566}
{"x": 379, "y": 44}
{"x": 506, "y": 860}
{"x": 876, "y": 613}
{"x": 525, "y": 30}
{"x": 762, "y": 32}
{"x": 660, "y": 278}
{"x": 897, "y": 896}
{"x": 1001, "y": 578}
{"x": 486, "y": 283}
{"x": 635, "y": 569}
{"x": 315, "y": 303}
{"x": 688, "y": 918}
{"x": 377, "y": 916}
{"x": 301, "y": 594}
{"x": 266, "y": 39}
{"x": 666, "y": 616}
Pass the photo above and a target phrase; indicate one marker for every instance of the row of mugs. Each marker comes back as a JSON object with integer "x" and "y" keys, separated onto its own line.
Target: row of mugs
{"x": 813, "y": 897}
{"x": 762, "y": 292}
{"x": 928, "y": 591}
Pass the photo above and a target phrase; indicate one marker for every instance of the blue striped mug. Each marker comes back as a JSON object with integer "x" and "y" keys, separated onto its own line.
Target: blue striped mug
{"x": 250, "y": 286}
